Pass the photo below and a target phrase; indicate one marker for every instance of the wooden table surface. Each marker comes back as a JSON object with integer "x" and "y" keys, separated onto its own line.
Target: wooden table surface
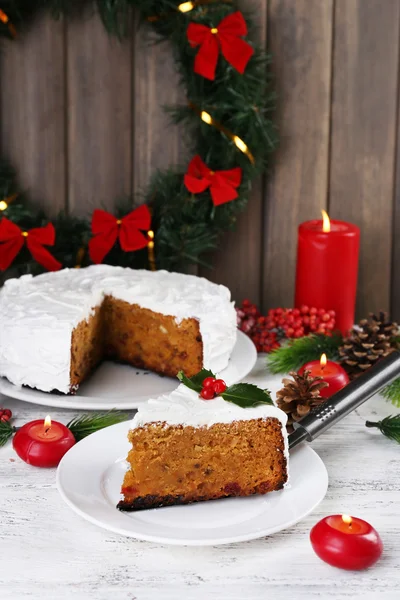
{"x": 49, "y": 552}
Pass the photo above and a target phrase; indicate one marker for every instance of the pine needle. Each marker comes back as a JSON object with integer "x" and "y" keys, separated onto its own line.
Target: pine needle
{"x": 86, "y": 424}
{"x": 392, "y": 392}
{"x": 389, "y": 426}
{"x": 6, "y": 432}
{"x": 303, "y": 350}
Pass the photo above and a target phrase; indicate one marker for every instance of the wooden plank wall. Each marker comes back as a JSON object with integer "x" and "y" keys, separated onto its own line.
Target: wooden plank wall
{"x": 82, "y": 120}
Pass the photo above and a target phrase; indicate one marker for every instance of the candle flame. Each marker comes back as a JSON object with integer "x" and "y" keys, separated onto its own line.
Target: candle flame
{"x": 347, "y": 519}
{"x": 47, "y": 422}
{"x": 326, "y": 222}
{"x": 322, "y": 361}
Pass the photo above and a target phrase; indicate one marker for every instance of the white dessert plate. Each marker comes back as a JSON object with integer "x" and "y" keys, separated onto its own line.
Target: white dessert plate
{"x": 89, "y": 479}
{"x": 113, "y": 385}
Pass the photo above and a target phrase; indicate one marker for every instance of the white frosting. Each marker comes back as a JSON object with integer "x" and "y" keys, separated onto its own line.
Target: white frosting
{"x": 38, "y": 315}
{"x": 184, "y": 407}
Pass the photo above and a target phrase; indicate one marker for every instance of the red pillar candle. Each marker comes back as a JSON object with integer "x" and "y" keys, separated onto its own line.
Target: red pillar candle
{"x": 43, "y": 443}
{"x": 331, "y": 372}
{"x": 346, "y": 542}
{"x": 327, "y": 265}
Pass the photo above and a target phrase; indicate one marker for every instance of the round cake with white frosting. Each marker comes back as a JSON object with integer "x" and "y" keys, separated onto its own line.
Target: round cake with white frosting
{"x": 55, "y": 328}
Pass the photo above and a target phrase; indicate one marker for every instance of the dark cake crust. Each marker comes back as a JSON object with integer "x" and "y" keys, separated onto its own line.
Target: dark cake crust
{"x": 231, "y": 490}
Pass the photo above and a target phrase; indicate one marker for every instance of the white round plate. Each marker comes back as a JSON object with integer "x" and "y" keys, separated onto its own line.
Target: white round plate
{"x": 113, "y": 385}
{"x": 89, "y": 479}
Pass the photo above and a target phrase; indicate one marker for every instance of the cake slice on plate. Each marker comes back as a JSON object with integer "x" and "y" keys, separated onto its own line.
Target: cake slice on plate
{"x": 186, "y": 449}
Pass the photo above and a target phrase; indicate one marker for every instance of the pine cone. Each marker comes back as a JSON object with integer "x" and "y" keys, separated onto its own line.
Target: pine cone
{"x": 299, "y": 395}
{"x": 371, "y": 340}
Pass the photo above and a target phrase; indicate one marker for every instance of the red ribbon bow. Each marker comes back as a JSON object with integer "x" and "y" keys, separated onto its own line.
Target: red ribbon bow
{"x": 227, "y": 37}
{"x": 12, "y": 238}
{"x": 222, "y": 184}
{"x": 107, "y": 229}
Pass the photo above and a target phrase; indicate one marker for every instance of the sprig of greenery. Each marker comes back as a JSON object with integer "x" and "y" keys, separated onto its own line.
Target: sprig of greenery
{"x": 245, "y": 395}
{"x": 389, "y": 426}
{"x": 84, "y": 425}
{"x": 6, "y": 432}
{"x": 392, "y": 392}
{"x": 302, "y": 350}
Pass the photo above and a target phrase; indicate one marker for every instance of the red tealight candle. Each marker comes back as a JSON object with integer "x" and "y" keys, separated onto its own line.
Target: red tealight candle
{"x": 327, "y": 264}
{"x": 346, "y": 542}
{"x": 43, "y": 443}
{"x": 331, "y": 372}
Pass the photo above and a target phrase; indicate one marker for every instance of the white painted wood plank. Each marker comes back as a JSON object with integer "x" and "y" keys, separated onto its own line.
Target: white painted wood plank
{"x": 48, "y": 552}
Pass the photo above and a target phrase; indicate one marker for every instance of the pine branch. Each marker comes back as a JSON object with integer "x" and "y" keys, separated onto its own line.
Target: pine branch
{"x": 86, "y": 424}
{"x": 389, "y": 426}
{"x": 6, "y": 432}
{"x": 303, "y": 350}
{"x": 392, "y": 392}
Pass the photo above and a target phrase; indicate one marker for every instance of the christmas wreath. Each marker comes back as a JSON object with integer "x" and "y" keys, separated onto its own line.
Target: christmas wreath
{"x": 184, "y": 211}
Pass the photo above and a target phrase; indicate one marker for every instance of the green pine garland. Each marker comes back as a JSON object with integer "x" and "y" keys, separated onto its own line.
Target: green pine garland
{"x": 186, "y": 226}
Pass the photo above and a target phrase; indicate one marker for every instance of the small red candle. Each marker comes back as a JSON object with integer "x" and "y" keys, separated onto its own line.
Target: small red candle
{"x": 331, "y": 372}
{"x": 346, "y": 542}
{"x": 43, "y": 443}
{"x": 327, "y": 265}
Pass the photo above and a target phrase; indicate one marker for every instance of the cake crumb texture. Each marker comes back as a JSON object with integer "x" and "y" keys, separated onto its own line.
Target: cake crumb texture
{"x": 179, "y": 465}
{"x": 136, "y": 336}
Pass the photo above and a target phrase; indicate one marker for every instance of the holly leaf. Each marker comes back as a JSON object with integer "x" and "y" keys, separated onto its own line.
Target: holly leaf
{"x": 247, "y": 395}
{"x": 195, "y": 383}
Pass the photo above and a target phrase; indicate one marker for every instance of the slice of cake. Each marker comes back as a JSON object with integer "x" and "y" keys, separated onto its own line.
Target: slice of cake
{"x": 186, "y": 449}
{"x": 57, "y": 327}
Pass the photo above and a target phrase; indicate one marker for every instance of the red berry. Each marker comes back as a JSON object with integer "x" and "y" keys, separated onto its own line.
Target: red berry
{"x": 209, "y": 382}
{"x": 219, "y": 386}
{"x": 207, "y": 393}
{"x": 332, "y": 313}
{"x": 313, "y": 311}
{"x": 304, "y": 309}
{"x": 296, "y": 312}
{"x": 325, "y": 317}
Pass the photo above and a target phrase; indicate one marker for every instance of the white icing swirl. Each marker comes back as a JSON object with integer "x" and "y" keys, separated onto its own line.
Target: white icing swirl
{"x": 183, "y": 406}
{"x": 38, "y": 315}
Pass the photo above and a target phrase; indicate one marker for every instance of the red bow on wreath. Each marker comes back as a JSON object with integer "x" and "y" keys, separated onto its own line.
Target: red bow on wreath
{"x": 222, "y": 184}
{"x": 12, "y": 238}
{"x": 226, "y": 36}
{"x": 107, "y": 229}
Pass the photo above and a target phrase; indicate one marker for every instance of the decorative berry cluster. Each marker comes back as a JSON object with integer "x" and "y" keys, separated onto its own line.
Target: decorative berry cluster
{"x": 5, "y": 415}
{"x": 212, "y": 387}
{"x": 280, "y": 323}
{"x": 297, "y": 322}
